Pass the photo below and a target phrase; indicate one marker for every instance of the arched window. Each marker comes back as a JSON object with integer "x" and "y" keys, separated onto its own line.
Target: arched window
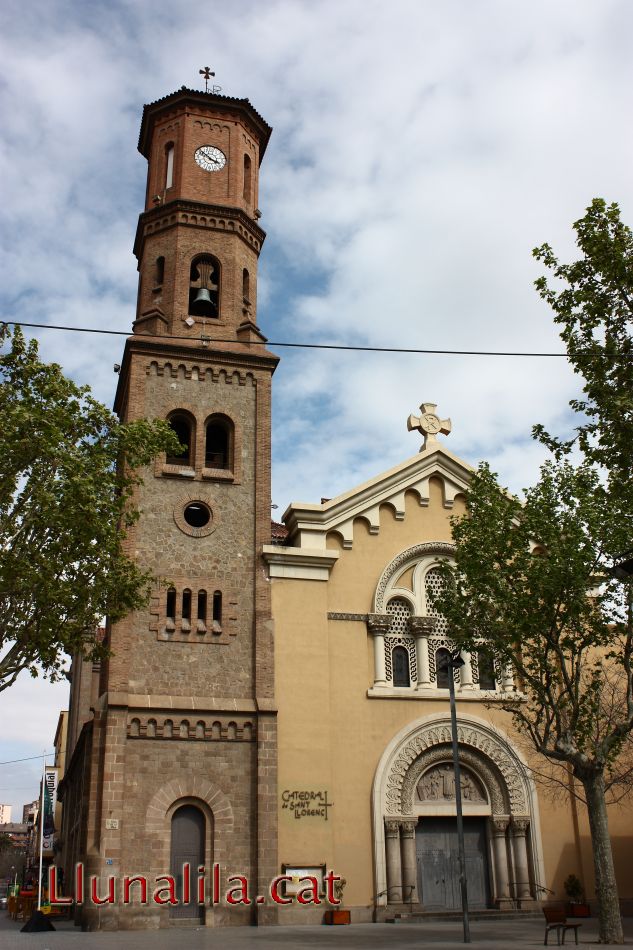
{"x": 487, "y": 676}
{"x": 218, "y": 443}
{"x": 204, "y": 287}
{"x": 442, "y": 670}
{"x": 169, "y": 165}
{"x": 217, "y": 609}
{"x": 247, "y": 178}
{"x": 400, "y": 658}
{"x": 246, "y": 286}
{"x": 171, "y": 603}
{"x": 186, "y": 604}
{"x": 202, "y": 607}
{"x": 182, "y": 425}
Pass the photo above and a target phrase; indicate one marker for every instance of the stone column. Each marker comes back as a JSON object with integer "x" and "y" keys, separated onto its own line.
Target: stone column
{"x": 502, "y": 878}
{"x": 394, "y": 863}
{"x": 409, "y": 862}
{"x": 378, "y": 626}
{"x": 466, "y": 673}
{"x": 421, "y": 628}
{"x": 519, "y": 829}
{"x": 507, "y": 679}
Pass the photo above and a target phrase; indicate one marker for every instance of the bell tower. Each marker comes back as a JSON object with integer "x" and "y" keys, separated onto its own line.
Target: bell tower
{"x": 198, "y": 239}
{"x": 184, "y": 731}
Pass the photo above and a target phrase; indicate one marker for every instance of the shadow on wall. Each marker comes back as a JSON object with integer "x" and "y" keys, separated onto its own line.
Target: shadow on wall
{"x": 622, "y": 846}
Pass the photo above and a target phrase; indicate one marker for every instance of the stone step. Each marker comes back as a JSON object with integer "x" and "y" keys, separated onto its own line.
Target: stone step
{"x": 472, "y": 915}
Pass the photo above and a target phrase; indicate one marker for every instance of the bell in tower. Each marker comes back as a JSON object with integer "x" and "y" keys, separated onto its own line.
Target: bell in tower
{"x": 203, "y": 291}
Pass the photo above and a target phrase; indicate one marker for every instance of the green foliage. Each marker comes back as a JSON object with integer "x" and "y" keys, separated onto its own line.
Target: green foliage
{"x": 573, "y": 888}
{"x": 6, "y": 843}
{"x": 594, "y": 309}
{"x": 520, "y": 585}
{"x": 533, "y": 581}
{"x": 68, "y": 472}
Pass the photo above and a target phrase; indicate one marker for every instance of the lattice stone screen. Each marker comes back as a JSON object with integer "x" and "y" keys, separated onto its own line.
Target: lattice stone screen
{"x": 433, "y": 585}
{"x": 400, "y": 610}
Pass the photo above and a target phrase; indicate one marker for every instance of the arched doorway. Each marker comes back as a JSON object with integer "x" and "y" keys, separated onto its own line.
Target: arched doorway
{"x": 415, "y": 834}
{"x": 437, "y": 850}
{"x": 187, "y": 847}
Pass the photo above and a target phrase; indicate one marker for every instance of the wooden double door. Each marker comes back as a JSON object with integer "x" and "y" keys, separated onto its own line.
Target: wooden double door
{"x": 438, "y": 863}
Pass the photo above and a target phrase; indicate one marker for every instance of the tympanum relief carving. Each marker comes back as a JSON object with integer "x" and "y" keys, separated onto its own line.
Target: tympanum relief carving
{"x": 438, "y": 785}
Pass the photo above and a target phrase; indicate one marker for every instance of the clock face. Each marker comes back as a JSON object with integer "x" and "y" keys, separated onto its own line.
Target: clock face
{"x": 210, "y": 158}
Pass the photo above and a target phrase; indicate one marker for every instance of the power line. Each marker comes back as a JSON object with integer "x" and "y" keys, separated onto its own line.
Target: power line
{"x": 28, "y": 758}
{"x": 205, "y": 340}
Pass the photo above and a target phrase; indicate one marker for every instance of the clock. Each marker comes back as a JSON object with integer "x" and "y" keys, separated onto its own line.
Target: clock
{"x": 210, "y": 158}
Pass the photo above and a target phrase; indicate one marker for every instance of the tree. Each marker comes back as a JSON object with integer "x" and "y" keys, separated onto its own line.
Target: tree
{"x": 68, "y": 473}
{"x": 532, "y": 581}
{"x": 6, "y": 843}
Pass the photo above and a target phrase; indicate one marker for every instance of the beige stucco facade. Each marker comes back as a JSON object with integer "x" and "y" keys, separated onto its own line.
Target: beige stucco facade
{"x": 361, "y": 760}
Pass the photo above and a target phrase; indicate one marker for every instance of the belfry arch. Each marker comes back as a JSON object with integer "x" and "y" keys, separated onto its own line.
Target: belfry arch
{"x": 413, "y": 792}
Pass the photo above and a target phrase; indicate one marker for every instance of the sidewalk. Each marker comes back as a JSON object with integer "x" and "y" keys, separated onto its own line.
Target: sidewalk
{"x": 430, "y": 935}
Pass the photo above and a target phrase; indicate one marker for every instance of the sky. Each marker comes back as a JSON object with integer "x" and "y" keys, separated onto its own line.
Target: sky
{"x": 420, "y": 151}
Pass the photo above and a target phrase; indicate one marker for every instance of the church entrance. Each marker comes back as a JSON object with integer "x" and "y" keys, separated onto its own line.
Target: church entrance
{"x": 187, "y": 847}
{"x": 438, "y": 863}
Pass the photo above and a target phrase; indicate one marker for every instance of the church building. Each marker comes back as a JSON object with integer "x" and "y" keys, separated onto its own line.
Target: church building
{"x": 281, "y": 706}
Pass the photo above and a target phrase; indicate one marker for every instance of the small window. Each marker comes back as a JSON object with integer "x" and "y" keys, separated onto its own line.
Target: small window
{"x": 442, "y": 670}
{"x": 202, "y": 606}
{"x": 246, "y": 286}
{"x": 487, "y": 676}
{"x": 217, "y": 444}
{"x": 400, "y": 658}
{"x": 217, "y": 607}
{"x": 186, "y": 605}
{"x": 182, "y": 426}
{"x": 169, "y": 172}
{"x": 171, "y": 603}
{"x": 247, "y": 178}
{"x": 159, "y": 273}
{"x": 204, "y": 287}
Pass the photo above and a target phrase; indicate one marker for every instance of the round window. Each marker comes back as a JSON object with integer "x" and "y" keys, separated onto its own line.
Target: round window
{"x": 197, "y": 515}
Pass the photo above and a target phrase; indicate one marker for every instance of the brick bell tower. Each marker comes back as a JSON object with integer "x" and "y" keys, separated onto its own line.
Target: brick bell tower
{"x": 183, "y": 762}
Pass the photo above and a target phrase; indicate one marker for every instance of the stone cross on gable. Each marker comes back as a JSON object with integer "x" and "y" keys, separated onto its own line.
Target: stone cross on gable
{"x": 429, "y": 424}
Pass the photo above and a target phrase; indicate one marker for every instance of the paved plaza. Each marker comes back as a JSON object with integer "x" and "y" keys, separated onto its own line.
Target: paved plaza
{"x": 447, "y": 934}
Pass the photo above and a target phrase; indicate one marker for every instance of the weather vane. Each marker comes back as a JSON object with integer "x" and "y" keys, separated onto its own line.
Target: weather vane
{"x": 206, "y": 74}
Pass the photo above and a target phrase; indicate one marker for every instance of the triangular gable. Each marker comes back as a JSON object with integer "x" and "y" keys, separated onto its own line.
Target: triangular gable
{"x": 308, "y": 525}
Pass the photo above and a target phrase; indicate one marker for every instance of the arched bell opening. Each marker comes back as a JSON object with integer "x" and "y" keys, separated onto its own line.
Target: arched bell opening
{"x": 204, "y": 287}
{"x": 184, "y": 427}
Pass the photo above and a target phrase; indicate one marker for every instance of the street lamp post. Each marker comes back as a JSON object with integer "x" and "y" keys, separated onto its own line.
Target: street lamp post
{"x": 454, "y": 662}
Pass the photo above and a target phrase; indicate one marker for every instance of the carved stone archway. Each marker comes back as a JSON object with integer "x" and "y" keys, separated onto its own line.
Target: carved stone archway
{"x": 507, "y": 799}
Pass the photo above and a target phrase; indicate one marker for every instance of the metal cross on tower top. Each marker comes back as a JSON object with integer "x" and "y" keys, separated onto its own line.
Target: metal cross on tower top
{"x": 206, "y": 75}
{"x": 429, "y": 424}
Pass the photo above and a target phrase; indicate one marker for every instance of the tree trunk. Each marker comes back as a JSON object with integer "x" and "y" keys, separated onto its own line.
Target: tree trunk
{"x": 610, "y": 922}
